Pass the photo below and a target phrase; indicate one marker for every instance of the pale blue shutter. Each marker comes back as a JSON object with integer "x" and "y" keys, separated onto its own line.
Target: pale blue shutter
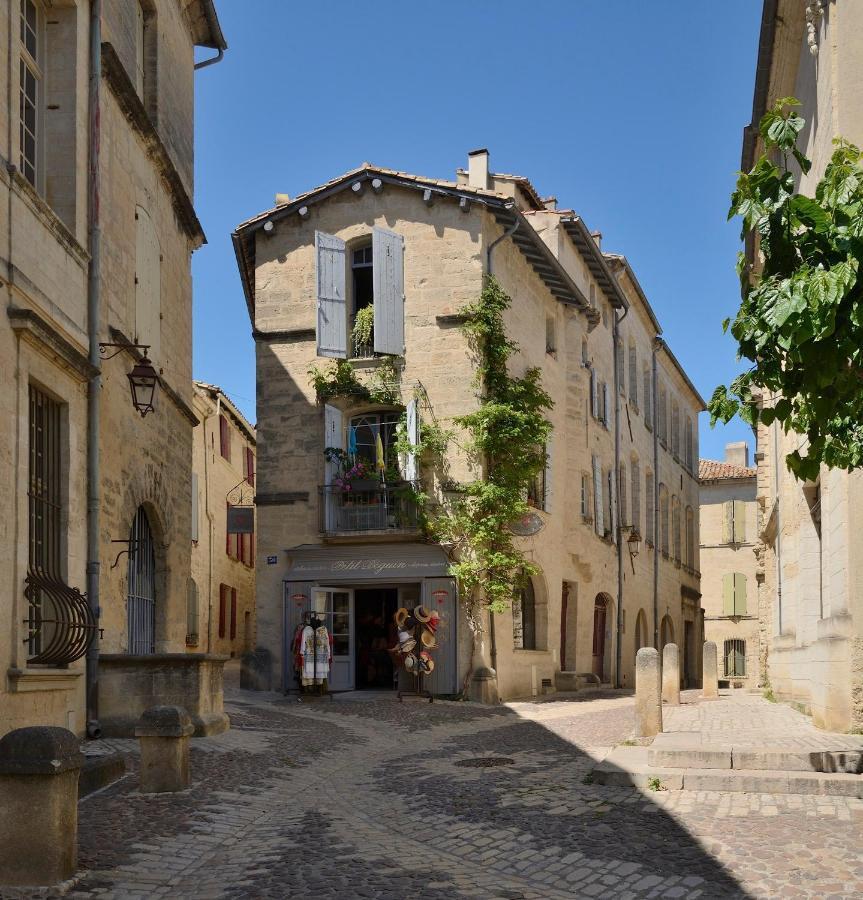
{"x": 333, "y": 437}
{"x": 411, "y": 469}
{"x": 389, "y": 288}
{"x": 439, "y": 594}
{"x": 598, "y": 499}
{"x": 332, "y": 313}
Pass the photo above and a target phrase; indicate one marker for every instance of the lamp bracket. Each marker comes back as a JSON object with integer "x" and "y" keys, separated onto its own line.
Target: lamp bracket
{"x": 103, "y": 349}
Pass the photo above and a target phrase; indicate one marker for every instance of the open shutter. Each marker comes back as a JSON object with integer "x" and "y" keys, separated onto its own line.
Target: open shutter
{"x": 598, "y": 499}
{"x": 411, "y": 467}
{"x": 389, "y": 288}
{"x": 739, "y": 522}
{"x": 148, "y": 285}
{"x": 727, "y": 522}
{"x": 332, "y": 313}
{"x": 333, "y": 437}
{"x": 728, "y": 594}
{"x": 739, "y": 594}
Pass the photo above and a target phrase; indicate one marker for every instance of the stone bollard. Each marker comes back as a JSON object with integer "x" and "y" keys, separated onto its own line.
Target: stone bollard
{"x": 671, "y": 675}
{"x": 710, "y": 679}
{"x": 39, "y": 768}
{"x": 164, "y": 732}
{"x": 648, "y": 693}
{"x": 256, "y": 670}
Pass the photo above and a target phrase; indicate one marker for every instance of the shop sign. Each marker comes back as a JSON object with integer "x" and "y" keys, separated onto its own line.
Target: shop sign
{"x": 241, "y": 520}
{"x": 272, "y": 560}
{"x": 440, "y": 596}
{"x": 529, "y": 524}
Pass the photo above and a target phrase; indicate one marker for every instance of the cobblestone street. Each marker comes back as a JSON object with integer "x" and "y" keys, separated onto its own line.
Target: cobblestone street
{"x": 372, "y": 798}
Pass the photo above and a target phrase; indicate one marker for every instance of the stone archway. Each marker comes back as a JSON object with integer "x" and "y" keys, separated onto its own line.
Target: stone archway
{"x": 603, "y": 619}
{"x": 641, "y": 633}
{"x": 666, "y": 631}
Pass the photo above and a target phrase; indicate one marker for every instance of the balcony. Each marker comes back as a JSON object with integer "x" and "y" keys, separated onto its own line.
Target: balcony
{"x": 370, "y": 509}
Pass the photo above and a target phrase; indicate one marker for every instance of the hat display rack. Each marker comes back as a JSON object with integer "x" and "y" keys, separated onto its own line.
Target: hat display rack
{"x": 312, "y": 619}
{"x": 416, "y": 639}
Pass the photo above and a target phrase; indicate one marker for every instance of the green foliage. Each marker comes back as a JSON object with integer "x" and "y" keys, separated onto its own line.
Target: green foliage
{"x": 385, "y": 382}
{"x": 364, "y": 326}
{"x": 655, "y": 784}
{"x": 800, "y": 322}
{"x": 338, "y": 379}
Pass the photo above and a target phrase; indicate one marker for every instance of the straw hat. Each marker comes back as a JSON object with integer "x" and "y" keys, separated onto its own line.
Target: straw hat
{"x": 407, "y": 645}
{"x": 422, "y": 614}
{"x": 428, "y": 639}
{"x": 426, "y": 663}
{"x": 401, "y": 617}
{"x": 411, "y": 663}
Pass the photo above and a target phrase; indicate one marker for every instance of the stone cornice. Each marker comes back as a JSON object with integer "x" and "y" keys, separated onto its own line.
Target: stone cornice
{"x": 28, "y": 324}
{"x": 285, "y": 498}
{"x": 130, "y": 104}
{"x": 288, "y": 336}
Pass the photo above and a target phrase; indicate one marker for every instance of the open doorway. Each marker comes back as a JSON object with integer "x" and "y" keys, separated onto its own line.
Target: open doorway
{"x": 375, "y": 635}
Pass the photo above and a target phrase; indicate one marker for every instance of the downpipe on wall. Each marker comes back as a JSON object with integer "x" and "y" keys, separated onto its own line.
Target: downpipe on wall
{"x": 658, "y": 344}
{"x": 616, "y": 479}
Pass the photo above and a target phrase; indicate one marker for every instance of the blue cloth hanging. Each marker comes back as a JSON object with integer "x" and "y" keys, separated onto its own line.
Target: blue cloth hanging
{"x": 352, "y": 441}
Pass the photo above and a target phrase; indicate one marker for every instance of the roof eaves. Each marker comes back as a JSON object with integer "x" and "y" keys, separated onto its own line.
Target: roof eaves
{"x": 620, "y": 259}
{"x": 586, "y": 245}
{"x": 215, "y": 391}
{"x": 766, "y": 42}
{"x": 682, "y": 372}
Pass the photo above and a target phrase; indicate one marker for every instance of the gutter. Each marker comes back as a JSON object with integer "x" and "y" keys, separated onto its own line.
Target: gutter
{"x": 619, "y": 535}
{"x": 658, "y": 344}
{"x": 219, "y": 42}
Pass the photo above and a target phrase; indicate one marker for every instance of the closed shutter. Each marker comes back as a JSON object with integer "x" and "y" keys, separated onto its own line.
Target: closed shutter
{"x": 233, "y": 613}
{"x": 622, "y": 489}
{"x": 439, "y": 594}
{"x": 633, "y": 376}
{"x": 148, "y": 285}
{"x": 332, "y": 314}
{"x": 224, "y": 438}
{"x": 650, "y": 506}
{"x": 739, "y": 594}
{"x": 195, "y": 504}
{"x": 594, "y": 395}
{"x": 605, "y": 408}
{"x": 411, "y": 468}
{"x": 739, "y": 522}
{"x": 728, "y": 594}
{"x": 612, "y": 503}
{"x": 598, "y": 495}
{"x": 389, "y": 288}
{"x": 250, "y": 466}
{"x": 728, "y": 522}
{"x": 223, "y": 591}
{"x": 636, "y": 497}
{"x": 648, "y": 405}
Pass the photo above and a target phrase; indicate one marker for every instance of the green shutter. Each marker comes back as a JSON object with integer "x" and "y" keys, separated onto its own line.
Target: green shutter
{"x": 728, "y": 595}
{"x": 739, "y": 521}
{"x": 739, "y": 594}
{"x": 727, "y": 522}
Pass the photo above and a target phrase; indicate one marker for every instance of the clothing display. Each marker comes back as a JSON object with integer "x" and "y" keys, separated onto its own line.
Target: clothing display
{"x": 312, "y": 652}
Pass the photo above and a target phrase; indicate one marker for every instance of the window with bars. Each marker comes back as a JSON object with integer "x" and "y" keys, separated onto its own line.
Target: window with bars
{"x": 734, "y": 653}
{"x": 29, "y": 90}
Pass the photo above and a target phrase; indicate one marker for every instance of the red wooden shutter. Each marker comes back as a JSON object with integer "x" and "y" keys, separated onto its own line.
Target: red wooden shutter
{"x": 222, "y": 600}
{"x": 224, "y": 438}
{"x": 250, "y": 466}
{"x": 233, "y": 613}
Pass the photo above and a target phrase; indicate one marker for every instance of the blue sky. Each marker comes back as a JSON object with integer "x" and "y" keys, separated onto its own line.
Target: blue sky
{"x": 629, "y": 112}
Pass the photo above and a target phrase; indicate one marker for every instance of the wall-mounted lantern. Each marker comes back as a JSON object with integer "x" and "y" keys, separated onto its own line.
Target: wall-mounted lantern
{"x": 142, "y": 379}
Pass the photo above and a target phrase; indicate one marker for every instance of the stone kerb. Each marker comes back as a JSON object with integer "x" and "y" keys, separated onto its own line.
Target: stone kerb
{"x": 648, "y": 693}
{"x": 710, "y": 682}
{"x": 671, "y": 675}
{"x": 164, "y": 733}
{"x": 39, "y": 768}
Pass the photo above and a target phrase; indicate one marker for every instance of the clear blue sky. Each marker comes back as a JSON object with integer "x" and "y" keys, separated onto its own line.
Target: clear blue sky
{"x": 629, "y": 112}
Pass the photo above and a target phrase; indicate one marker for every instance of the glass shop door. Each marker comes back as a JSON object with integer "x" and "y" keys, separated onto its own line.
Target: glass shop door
{"x": 337, "y": 607}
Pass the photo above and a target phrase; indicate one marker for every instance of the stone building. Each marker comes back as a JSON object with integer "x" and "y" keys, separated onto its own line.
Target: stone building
{"x": 97, "y": 229}
{"x": 812, "y": 563}
{"x": 414, "y": 250}
{"x": 729, "y": 592}
{"x": 221, "y": 615}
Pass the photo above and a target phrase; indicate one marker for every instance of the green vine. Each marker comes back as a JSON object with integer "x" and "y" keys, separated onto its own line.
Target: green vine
{"x": 339, "y": 379}
{"x": 364, "y": 326}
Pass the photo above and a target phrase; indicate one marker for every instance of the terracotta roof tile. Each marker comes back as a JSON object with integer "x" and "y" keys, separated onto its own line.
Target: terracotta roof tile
{"x": 713, "y": 470}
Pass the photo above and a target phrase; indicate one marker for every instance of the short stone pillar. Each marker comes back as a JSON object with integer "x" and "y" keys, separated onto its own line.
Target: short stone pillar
{"x": 164, "y": 733}
{"x": 39, "y": 768}
{"x": 671, "y": 675}
{"x": 710, "y": 677}
{"x": 648, "y": 693}
{"x": 483, "y": 683}
{"x": 256, "y": 670}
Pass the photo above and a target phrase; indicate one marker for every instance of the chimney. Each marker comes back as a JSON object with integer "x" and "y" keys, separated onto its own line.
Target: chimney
{"x": 737, "y": 454}
{"x": 282, "y": 199}
{"x": 597, "y": 239}
{"x": 477, "y": 168}
{"x": 549, "y": 202}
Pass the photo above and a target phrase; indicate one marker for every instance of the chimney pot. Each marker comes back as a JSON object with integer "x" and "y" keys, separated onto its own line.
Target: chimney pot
{"x": 597, "y": 238}
{"x": 477, "y": 168}
{"x": 550, "y": 202}
{"x": 282, "y": 199}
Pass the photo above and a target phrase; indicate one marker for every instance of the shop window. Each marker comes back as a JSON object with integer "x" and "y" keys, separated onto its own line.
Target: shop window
{"x": 734, "y": 653}
{"x": 524, "y": 617}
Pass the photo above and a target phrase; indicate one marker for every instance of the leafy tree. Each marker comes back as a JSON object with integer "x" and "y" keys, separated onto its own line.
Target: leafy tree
{"x": 800, "y": 322}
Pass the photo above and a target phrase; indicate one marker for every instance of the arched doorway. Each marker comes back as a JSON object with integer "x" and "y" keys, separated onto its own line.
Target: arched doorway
{"x": 666, "y": 631}
{"x": 141, "y": 600}
{"x": 641, "y": 639}
{"x": 602, "y": 618}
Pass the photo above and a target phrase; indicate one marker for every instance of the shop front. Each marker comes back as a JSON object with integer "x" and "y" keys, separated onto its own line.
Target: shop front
{"x": 355, "y": 593}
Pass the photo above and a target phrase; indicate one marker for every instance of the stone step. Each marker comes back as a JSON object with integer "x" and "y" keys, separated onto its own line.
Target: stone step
{"x": 724, "y": 756}
{"x": 100, "y": 770}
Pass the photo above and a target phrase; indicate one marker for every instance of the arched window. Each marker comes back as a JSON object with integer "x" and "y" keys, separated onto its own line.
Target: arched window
{"x": 641, "y": 639}
{"x": 524, "y": 617}
{"x": 666, "y": 631}
{"x": 141, "y": 606}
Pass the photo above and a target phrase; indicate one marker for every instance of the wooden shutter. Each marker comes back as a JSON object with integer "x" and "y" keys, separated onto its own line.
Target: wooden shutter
{"x": 594, "y": 395}
{"x": 411, "y": 469}
{"x": 598, "y": 499}
{"x": 612, "y": 503}
{"x": 233, "y": 613}
{"x": 389, "y": 287}
{"x": 633, "y": 375}
{"x": 728, "y": 594}
{"x": 739, "y": 594}
{"x": 605, "y": 415}
{"x": 636, "y": 497}
{"x": 195, "y": 504}
{"x": 148, "y": 285}
{"x": 250, "y": 466}
{"x": 739, "y": 515}
{"x": 224, "y": 438}
{"x": 648, "y": 403}
{"x": 332, "y": 313}
{"x": 223, "y": 590}
{"x": 727, "y": 522}
{"x": 333, "y": 437}
{"x": 650, "y": 507}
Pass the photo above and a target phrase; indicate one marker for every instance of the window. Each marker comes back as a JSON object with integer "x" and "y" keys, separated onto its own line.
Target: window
{"x": 224, "y": 590}
{"x": 536, "y": 489}
{"x": 633, "y": 376}
{"x": 524, "y": 617}
{"x": 604, "y": 404}
{"x": 585, "y": 355}
{"x": 621, "y": 368}
{"x": 224, "y": 438}
{"x": 663, "y": 519}
{"x": 363, "y": 434}
{"x": 30, "y": 89}
{"x": 650, "y": 508}
{"x": 377, "y": 281}
{"x": 192, "y": 613}
{"x": 585, "y": 496}
{"x": 46, "y": 507}
{"x": 648, "y": 397}
{"x": 636, "y": 496}
{"x": 608, "y": 503}
{"x": 734, "y": 522}
{"x": 734, "y": 594}
{"x": 734, "y": 653}
{"x": 675, "y": 527}
{"x": 550, "y": 341}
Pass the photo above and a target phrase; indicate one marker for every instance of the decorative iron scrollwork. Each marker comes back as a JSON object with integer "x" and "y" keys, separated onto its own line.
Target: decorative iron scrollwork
{"x": 61, "y": 624}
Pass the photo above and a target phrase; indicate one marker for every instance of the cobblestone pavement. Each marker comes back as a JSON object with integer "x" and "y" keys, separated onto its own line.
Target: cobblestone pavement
{"x": 376, "y": 799}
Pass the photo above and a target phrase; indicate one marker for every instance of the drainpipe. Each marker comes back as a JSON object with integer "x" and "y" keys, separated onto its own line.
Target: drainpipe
{"x": 508, "y": 233}
{"x": 778, "y": 528}
{"x": 211, "y": 61}
{"x": 658, "y": 344}
{"x": 211, "y": 521}
{"x": 94, "y": 386}
{"x": 619, "y": 535}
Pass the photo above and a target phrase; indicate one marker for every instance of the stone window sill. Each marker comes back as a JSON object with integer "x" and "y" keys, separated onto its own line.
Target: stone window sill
{"x": 26, "y": 680}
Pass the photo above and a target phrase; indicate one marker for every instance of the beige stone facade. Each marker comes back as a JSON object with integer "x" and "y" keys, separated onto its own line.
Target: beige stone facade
{"x": 729, "y": 587}
{"x": 148, "y": 232}
{"x": 567, "y": 295}
{"x": 222, "y": 613}
{"x": 812, "y": 598}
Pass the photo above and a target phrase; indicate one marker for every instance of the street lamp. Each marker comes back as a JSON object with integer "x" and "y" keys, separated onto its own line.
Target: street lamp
{"x": 142, "y": 379}
{"x": 633, "y": 542}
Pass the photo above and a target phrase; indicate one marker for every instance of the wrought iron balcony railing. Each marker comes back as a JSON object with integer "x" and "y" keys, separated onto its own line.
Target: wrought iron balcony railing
{"x": 368, "y": 508}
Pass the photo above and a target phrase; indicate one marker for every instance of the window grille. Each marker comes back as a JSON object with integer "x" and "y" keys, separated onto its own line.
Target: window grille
{"x": 141, "y": 607}
{"x": 30, "y": 86}
{"x": 734, "y": 653}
